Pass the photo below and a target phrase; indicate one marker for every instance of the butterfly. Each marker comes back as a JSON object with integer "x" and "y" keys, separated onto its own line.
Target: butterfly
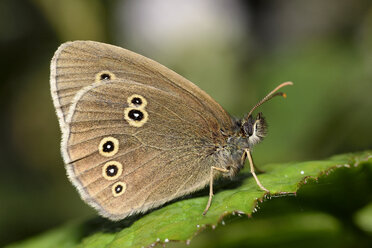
{"x": 136, "y": 135}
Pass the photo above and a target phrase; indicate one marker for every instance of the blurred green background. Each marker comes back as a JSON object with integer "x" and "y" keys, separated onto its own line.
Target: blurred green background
{"x": 236, "y": 51}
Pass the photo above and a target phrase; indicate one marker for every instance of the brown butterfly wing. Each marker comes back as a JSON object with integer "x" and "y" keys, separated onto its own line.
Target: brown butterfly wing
{"x": 168, "y": 156}
{"x": 77, "y": 64}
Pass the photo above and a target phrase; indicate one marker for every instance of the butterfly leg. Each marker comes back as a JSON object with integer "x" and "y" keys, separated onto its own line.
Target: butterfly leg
{"x": 256, "y": 169}
{"x": 248, "y": 152}
{"x": 211, "y": 187}
{"x": 244, "y": 157}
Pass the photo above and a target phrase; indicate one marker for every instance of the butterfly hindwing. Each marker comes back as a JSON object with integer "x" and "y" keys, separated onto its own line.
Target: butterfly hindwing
{"x": 158, "y": 160}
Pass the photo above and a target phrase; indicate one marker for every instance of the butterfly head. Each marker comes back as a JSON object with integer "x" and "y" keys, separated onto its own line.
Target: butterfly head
{"x": 254, "y": 129}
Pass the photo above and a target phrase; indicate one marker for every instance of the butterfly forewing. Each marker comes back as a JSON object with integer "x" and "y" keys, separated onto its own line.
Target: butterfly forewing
{"x": 78, "y": 64}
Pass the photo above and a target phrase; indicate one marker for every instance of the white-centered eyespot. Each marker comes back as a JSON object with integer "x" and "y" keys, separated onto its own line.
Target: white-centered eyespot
{"x": 108, "y": 146}
{"x": 104, "y": 75}
{"x": 137, "y": 101}
{"x": 112, "y": 170}
{"x": 118, "y": 188}
{"x": 136, "y": 117}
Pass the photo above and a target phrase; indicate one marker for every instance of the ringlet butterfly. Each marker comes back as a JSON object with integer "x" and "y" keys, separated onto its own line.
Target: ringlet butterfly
{"x": 136, "y": 135}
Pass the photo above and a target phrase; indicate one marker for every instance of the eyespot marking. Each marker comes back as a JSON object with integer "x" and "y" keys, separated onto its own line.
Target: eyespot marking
{"x": 112, "y": 170}
{"x": 104, "y": 75}
{"x": 118, "y": 189}
{"x": 135, "y": 114}
{"x": 137, "y": 101}
{"x": 108, "y": 146}
{"x": 136, "y": 117}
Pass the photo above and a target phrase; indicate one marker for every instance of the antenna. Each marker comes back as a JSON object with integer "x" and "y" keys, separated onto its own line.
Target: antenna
{"x": 272, "y": 94}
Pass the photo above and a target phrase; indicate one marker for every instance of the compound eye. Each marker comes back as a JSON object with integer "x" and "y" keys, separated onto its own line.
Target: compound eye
{"x": 248, "y": 126}
{"x": 250, "y": 129}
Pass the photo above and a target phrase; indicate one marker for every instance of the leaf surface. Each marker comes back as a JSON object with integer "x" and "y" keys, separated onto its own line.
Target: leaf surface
{"x": 183, "y": 219}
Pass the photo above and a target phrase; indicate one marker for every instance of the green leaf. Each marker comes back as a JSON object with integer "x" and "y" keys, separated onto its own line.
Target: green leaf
{"x": 183, "y": 219}
{"x": 364, "y": 218}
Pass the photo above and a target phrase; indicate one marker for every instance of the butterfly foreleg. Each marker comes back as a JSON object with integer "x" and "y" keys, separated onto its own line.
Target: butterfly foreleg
{"x": 248, "y": 153}
{"x": 213, "y": 168}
